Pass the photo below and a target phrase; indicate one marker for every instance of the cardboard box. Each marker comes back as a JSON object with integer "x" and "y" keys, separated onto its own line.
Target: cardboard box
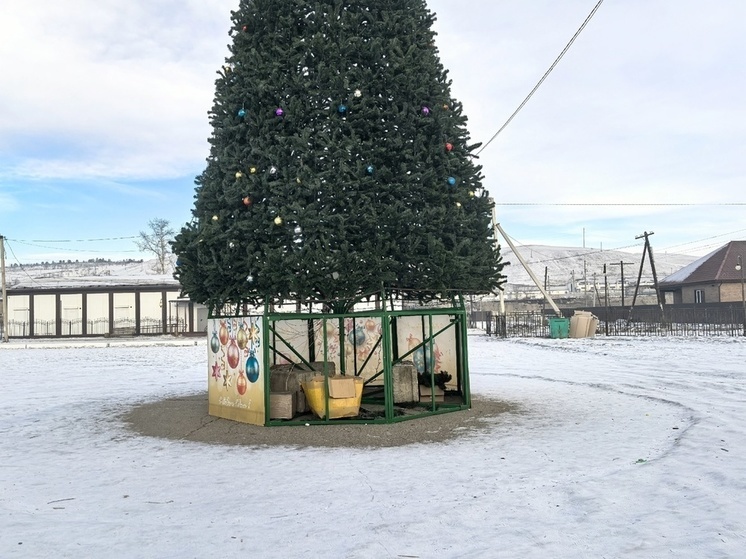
{"x": 426, "y": 394}
{"x": 282, "y": 405}
{"x": 341, "y": 386}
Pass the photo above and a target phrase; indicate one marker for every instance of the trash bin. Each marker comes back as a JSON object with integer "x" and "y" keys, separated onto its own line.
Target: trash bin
{"x": 559, "y": 327}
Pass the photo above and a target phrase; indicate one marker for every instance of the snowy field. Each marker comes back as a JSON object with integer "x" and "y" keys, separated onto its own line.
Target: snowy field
{"x": 624, "y": 448}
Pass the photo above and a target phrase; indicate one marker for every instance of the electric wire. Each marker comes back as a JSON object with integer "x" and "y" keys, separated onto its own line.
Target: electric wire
{"x": 23, "y": 269}
{"x": 541, "y": 81}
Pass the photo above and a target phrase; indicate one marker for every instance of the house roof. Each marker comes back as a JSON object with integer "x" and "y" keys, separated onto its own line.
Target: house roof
{"x": 718, "y": 266}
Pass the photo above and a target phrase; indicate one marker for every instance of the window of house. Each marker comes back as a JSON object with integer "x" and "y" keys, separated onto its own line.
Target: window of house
{"x": 699, "y": 296}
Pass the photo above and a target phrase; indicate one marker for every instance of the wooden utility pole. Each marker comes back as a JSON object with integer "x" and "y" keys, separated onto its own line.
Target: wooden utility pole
{"x": 4, "y": 289}
{"x": 621, "y": 265}
{"x": 648, "y": 249}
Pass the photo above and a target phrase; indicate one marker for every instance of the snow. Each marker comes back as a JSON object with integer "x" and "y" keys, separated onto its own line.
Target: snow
{"x": 622, "y": 448}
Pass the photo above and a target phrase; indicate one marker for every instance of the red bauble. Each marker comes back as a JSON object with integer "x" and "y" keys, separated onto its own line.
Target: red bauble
{"x": 449, "y": 146}
{"x": 241, "y": 384}
{"x": 246, "y": 201}
{"x": 233, "y": 355}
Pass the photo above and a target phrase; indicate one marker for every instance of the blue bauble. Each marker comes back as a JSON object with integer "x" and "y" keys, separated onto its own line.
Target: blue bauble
{"x": 252, "y": 368}
{"x": 357, "y": 336}
{"x": 242, "y": 113}
{"x": 370, "y": 169}
{"x": 419, "y": 359}
{"x": 342, "y": 109}
{"x": 452, "y": 181}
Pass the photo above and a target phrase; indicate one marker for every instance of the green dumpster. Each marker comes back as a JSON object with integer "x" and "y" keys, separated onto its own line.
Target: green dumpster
{"x": 559, "y": 327}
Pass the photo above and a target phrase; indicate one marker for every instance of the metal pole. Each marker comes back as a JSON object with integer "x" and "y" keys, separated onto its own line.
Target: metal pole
{"x": 5, "y": 292}
{"x": 527, "y": 268}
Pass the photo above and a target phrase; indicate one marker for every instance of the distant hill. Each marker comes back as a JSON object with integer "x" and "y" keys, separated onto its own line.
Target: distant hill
{"x": 566, "y": 268}
{"x": 88, "y": 273}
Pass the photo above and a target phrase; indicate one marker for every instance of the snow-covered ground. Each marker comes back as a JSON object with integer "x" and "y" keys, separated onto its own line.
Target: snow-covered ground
{"x": 624, "y": 448}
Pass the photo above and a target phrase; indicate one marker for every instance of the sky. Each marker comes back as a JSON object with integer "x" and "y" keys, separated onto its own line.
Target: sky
{"x": 617, "y": 447}
{"x": 103, "y": 119}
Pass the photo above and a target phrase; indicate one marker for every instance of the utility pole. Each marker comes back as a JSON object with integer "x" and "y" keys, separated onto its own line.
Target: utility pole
{"x": 622, "y": 264}
{"x": 648, "y": 249}
{"x": 4, "y": 289}
{"x": 585, "y": 283}
{"x": 606, "y": 300}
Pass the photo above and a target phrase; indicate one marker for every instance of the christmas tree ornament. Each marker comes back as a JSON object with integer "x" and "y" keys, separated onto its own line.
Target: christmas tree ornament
{"x": 223, "y": 333}
{"x": 214, "y": 342}
{"x": 241, "y": 384}
{"x": 252, "y": 170}
{"x": 242, "y": 338}
{"x": 273, "y": 170}
{"x": 452, "y": 181}
{"x": 335, "y": 275}
{"x": 216, "y": 371}
{"x": 215, "y": 218}
{"x": 370, "y": 169}
{"x": 233, "y": 354}
{"x": 446, "y": 107}
{"x": 449, "y": 147}
{"x": 425, "y": 110}
{"x": 232, "y": 244}
{"x": 278, "y": 220}
{"x": 357, "y": 336}
{"x": 342, "y": 109}
{"x": 472, "y": 193}
{"x": 239, "y": 174}
{"x": 242, "y": 112}
{"x": 252, "y": 368}
{"x": 245, "y": 28}
{"x": 358, "y": 94}
{"x": 246, "y": 201}
{"x": 458, "y": 204}
{"x": 297, "y": 179}
{"x": 279, "y": 112}
{"x": 297, "y": 230}
{"x": 250, "y": 279}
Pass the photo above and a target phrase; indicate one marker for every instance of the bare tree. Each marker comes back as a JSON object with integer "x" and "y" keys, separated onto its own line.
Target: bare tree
{"x": 156, "y": 240}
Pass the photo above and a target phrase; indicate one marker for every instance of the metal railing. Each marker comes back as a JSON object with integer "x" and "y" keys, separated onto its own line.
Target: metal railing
{"x": 621, "y": 321}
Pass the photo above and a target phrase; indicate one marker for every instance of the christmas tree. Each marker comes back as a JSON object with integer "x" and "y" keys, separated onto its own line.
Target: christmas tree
{"x": 340, "y": 164}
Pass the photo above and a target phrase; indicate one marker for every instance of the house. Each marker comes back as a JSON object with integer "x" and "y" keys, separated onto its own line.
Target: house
{"x": 711, "y": 279}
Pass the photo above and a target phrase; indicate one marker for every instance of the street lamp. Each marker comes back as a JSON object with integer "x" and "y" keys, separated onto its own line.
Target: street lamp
{"x": 739, "y": 267}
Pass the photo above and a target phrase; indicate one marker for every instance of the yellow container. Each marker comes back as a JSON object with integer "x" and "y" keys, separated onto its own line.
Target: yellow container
{"x": 338, "y": 407}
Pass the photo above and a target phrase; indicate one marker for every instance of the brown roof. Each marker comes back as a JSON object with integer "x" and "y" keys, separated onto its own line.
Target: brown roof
{"x": 718, "y": 266}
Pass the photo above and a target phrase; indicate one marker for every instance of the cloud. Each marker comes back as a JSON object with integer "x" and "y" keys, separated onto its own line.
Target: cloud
{"x": 124, "y": 85}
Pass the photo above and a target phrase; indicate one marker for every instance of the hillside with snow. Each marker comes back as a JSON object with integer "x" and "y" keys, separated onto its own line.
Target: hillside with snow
{"x": 90, "y": 273}
{"x": 568, "y": 271}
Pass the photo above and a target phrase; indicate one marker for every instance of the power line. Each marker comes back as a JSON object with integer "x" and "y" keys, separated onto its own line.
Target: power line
{"x": 73, "y": 240}
{"x": 19, "y": 263}
{"x": 72, "y": 249}
{"x": 541, "y": 81}
{"x": 615, "y": 204}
